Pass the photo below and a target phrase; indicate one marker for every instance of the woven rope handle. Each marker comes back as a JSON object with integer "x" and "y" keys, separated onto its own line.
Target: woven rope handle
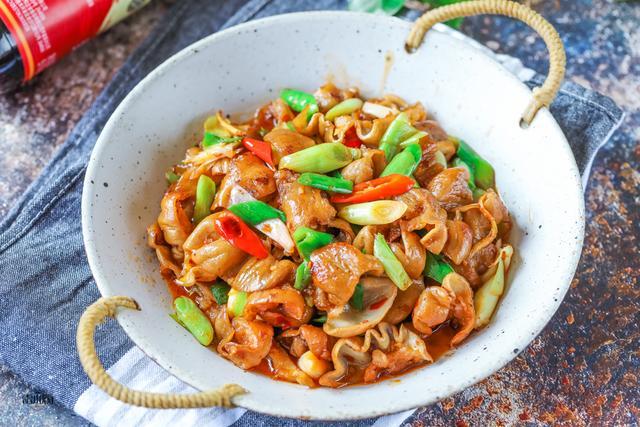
{"x": 94, "y": 315}
{"x": 543, "y": 95}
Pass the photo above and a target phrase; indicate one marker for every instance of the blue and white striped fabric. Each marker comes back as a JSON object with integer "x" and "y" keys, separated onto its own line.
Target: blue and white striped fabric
{"x": 45, "y": 282}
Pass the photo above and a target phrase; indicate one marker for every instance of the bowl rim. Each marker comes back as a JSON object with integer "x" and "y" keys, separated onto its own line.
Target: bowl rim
{"x": 537, "y": 325}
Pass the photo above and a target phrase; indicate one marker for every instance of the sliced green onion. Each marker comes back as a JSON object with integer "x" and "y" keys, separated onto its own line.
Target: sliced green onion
{"x": 172, "y": 177}
{"x": 483, "y": 171}
{"x": 308, "y": 240}
{"x": 357, "y": 299}
{"x": 458, "y": 163}
{"x": 347, "y": 106}
{"x": 211, "y": 139}
{"x": 413, "y": 139}
{"x": 196, "y": 322}
{"x": 236, "y": 302}
{"x": 399, "y": 130}
{"x": 220, "y": 291}
{"x": 321, "y": 158}
{"x": 326, "y": 183}
{"x": 436, "y": 267}
{"x": 373, "y": 213}
{"x": 212, "y": 125}
{"x": 405, "y": 162}
{"x": 486, "y": 298}
{"x": 205, "y": 191}
{"x": 303, "y": 276}
{"x": 255, "y": 212}
{"x": 392, "y": 267}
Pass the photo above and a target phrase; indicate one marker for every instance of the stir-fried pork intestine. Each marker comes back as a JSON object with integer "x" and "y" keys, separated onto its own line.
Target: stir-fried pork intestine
{"x": 402, "y": 347}
{"x": 308, "y": 337}
{"x": 260, "y": 274}
{"x": 428, "y": 167}
{"x": 320, "y": 306}
{"x": 283, "y": 367}
{"x": 370, "y": 165}
{"x": 425, "y": 213}
{"x": 155, "y": 240}
{"x": 459, "y": 242}
{"x": 281, "y": 307}
{"x": 337, "y": 268}
{"x": 450, "y": 187}
{"x": 248, "y": 344}
{"x": 250, "y": 173}
{"x": 404, "y": 303}
{"x": 284, "y": 142}
{"x": 411, "y": 254}
{"x": 453, "y": 300}
{"x": 303, "y": 205}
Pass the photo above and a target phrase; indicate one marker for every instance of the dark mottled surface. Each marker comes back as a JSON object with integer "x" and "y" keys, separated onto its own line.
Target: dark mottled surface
{"x": 585, "y": 367}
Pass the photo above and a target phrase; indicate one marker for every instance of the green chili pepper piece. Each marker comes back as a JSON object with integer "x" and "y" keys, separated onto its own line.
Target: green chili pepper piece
{"x": 321, "y": 158}
{"x": 399, "y": 130}
{"x": 405, "y": 162}
{"x": 220, "y": 291}
{"x": 415, "y": 138}
{"x": 308, "y": 240}
{"x": 205, "y": 191}
{"x": 436, "y": 268}
{"x": 320, "y": 320}
{"x": 254, "y": 212}
{"x": 172, "y": 177}
{"x": 482, "y": 170}
{"x": 303, "y": 276}
{"x": 194, "y": 320}
{"x": 357, "y": 299}
{"x": 326, "y": 183}
{"x": 298, "y": 100}
{"x": 392, "y": 267}
{"x": 211, "y": 139}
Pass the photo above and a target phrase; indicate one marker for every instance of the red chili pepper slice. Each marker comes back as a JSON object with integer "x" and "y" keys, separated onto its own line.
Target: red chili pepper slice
{"x": 261, "y": 149}
{"x": 351, "y": 138}
{"x": 376, "y": 305}
{"x": 233, "y": 230}
{"x": 376, "y": 189}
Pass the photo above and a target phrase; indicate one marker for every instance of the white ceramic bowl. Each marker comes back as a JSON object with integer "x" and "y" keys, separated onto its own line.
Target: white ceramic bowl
{"x": 243, "y": 67}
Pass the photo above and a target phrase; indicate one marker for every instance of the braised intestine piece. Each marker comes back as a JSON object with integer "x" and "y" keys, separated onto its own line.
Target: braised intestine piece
{"x": 247, "y": 344}
{"x": 404, "y": 303}
{"x": 370, "y": 131}
{"x": 369, "y": 166}
{"x": 284, "y": 142}
{"x": 155, "y": 240}
{"x": 283, "y": 367}
{"x": 250, "y": 173}
{"x": 459, "y": 241}
{"x": 481, "y": 236}
{"x": 261, "y": 274}
{"x": 384, "y": 349}
{"x": 411, "y": 254}
{"x": 281, "y": 307}
{"x": 174, "y": 222}
{"x": 303, "y": 205}
{"x": 308, "y": 338}
{"x": 424, "y": 212}
{"x": 450, "y": 187}
{"x": 379, "y": 293}
{"x": 337, "y": 268}
{"x": 207, "y": 256}
{"x": 451, "y": 301}
{"x": 428, "y": 166}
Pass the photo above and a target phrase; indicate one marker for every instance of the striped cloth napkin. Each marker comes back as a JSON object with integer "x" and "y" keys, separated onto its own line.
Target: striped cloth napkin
{"x": 45, "y": 282}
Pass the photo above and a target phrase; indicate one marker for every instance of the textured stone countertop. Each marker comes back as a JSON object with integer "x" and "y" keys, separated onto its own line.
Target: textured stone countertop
{"x": 585, "y": 366}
